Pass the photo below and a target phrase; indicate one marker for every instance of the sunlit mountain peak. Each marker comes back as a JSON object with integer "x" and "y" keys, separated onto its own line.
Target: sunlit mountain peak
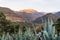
{"x": 28, "y": 10}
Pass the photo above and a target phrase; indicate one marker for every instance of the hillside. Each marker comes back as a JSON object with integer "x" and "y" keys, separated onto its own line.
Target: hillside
{"x": 10, "y": 15}
{"x": 29, "y": 14}
{"x": 49, "y": 15}
{"x": 57, "y": 13}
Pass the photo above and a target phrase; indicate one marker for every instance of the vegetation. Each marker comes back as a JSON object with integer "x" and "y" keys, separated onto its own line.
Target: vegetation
{"x": 57, "y": 26}
{"x": 13, "y": 27}
{"x": 7, "y": 25}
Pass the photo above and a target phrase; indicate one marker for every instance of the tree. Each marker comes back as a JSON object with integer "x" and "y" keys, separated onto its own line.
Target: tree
{"x": 57, "y": 26}
{"x": 2, "y": 21}
{"x": 7, "y": 25}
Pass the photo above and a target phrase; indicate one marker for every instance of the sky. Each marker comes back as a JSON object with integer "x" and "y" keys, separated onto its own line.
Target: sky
{"x": 39, "y": 5}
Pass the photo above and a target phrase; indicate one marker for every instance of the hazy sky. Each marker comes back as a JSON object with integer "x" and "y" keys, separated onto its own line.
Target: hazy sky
{"x": 40, "y": 5}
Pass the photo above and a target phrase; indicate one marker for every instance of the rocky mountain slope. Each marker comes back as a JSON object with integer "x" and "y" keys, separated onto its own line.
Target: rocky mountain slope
{"x": 30, "y": 14}
{"x": 10, "y": 15}
{"x": 57, "y": 13}
{"x": 49, "y": 15}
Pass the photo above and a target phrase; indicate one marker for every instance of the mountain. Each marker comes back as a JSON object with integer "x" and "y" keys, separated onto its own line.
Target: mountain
{"x": 57, "y": 13}
{"x": 28, "y": 10}
{"x": 29, "y": 14}
{"x": 45, "y": 18}
{"x": 11, "y": 15}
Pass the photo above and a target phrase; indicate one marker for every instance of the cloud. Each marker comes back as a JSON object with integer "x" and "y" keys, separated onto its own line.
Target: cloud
{"x": 40, "y": 1}
{"x": 34, "y": 1}
{"x": 0, "y": 0}
{"x": 41, "y": 5}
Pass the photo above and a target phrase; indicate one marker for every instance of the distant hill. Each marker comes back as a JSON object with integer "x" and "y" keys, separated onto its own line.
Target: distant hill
{"x": 49, "y": 15}
{"x": 57, "y": 13}
{"x": 29, "y": 14}
{"x": 10, "y": 15}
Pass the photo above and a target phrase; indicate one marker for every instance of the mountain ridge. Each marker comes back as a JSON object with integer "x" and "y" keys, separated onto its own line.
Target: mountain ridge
{"x": 28, "y": 10}
{"x": 57, "y": 13}
{"x": 49, "y": 15}
{"x": 30, "y": 16}
{"x": 11, "y": 15}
